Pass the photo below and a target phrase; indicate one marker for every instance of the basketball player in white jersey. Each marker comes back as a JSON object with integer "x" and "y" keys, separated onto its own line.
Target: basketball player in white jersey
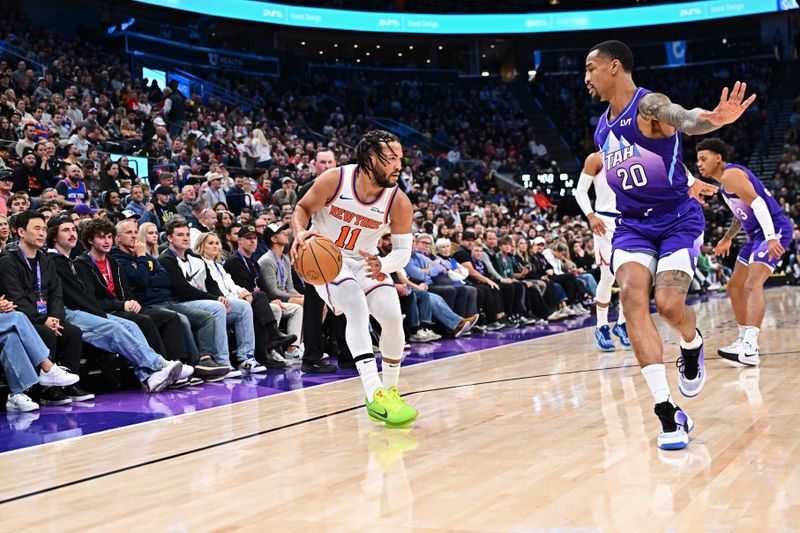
{"x": 602, "y": 220}
{"x": 352, "y": 205}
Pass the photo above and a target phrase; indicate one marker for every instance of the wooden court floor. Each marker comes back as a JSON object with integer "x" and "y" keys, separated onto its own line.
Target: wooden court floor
{"x": 545, "y": 435}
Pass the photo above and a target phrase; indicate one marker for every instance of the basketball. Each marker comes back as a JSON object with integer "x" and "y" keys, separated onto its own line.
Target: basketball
{"x": 320, "y": 262}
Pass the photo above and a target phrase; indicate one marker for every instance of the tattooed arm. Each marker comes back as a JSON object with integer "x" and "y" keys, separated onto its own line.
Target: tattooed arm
{"x": 658, "y": 109}
{"x": 723, "y": 247}
{"x": 733, "y": 229}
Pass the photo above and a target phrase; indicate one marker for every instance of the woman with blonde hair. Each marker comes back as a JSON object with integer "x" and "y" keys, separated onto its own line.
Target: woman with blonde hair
{"x": 148, "y": 234}
{"x": 259, "y": 149}
{"x": 248, "y": 323}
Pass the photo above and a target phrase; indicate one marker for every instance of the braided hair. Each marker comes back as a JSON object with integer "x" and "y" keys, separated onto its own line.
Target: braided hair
{"x": 372, "y": 143}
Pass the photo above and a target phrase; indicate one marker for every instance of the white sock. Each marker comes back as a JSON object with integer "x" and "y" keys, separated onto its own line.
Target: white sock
{"x": 656, "y": 378}
{"x": 602, "y": 316}
{"x": 621, "y": 317}
{"x": 741, "y": 332}
{"x": 391, "y": 374}
{"x": 370, "y": 380}
{"x": 751, "y": 336}
{"x": 692, "y": 344}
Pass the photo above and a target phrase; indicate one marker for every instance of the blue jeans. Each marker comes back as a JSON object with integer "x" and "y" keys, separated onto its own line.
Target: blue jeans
{"x": 200, "y": 321}
{"x": 590, "y": 282}
{"x": 219, "y": 316}
{"x": 241, "y": 316}
{"x": 413, "y": 307}
{"x": 118, "y": 335}
{"x": 432, "y": 306}
{"x": 22, "y": 352}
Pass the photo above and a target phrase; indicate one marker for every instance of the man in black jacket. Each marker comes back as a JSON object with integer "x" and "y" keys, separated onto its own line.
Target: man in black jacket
{"x": 245, "y": 273}
{"x": 194, "y": 289}
{"x": 107, "y": 332}
{"x": 29, "y": 279}
{"x": 117, "y": 298}
{"x": 152, "y": 287}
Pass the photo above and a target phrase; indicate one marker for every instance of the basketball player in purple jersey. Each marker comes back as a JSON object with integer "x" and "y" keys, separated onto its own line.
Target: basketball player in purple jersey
{"x": 768, "y": 230}
{"x": 661, "y": 223}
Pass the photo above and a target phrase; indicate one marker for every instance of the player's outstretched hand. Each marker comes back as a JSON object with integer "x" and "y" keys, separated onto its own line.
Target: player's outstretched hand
{"x": 300, "y": 242}
{"x": 700, "y": 188}
{"x": 723, "y": 248}
{"x": 373, "y": 264}
{"x": 775, "y": 249}
{"x": 730, "y": 107}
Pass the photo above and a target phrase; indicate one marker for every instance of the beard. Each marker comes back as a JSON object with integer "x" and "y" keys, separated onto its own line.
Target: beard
{"x": 382, "y": 178}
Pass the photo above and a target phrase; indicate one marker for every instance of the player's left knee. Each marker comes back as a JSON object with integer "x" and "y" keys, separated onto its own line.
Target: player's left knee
{"x": 669, "y": 307}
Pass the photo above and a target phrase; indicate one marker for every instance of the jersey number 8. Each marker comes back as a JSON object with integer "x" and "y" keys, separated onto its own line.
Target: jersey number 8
{"x": 636, "y": 173}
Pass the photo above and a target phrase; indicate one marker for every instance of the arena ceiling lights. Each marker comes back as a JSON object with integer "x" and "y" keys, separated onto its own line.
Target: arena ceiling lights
{"x": 518, "y": 23}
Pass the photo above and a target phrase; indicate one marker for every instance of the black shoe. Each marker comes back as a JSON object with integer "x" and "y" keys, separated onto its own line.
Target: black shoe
{"x": 208, "y": 368}
{"x": 346, "y": 364}
{"x": 277, "y": 338}
{"x": 54, "y": 396}
{"x": 77, "y": 394}
{"x": 317, "y": 367}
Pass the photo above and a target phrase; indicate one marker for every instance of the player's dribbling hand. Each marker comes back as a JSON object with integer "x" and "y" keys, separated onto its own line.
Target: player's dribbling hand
{"x": 597, "y": 225}
{"x": 775, "y": 249}
{"x": 300, "y": 242}
{"x": 373, "y": 264}
{"x": 700, "y": 188}
{"x": 722, "y": 248}
{"x": 730, "y": 107}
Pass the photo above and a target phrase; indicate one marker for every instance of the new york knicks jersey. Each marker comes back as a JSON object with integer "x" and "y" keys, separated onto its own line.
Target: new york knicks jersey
{"x": 646, "y": 175}
{"x": 351, "y": 222}
{"x": 743, "y": 212}
{"x": 605, "y": 202}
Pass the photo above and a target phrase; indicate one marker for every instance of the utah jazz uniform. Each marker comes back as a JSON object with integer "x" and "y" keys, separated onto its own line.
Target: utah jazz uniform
{"x": 756, "y": 247}
{"x": 660, "y": 226}
{"x": 354, "y": 225}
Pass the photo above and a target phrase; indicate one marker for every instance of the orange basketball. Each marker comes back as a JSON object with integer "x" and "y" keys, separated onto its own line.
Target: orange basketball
{"x": 320, "y": 262}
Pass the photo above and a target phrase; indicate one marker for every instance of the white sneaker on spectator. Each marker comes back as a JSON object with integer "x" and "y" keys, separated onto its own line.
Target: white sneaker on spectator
{"x": 295, "y": 357}
{"x": 57, "y": 377}
{"x": 419, "y": 336}
{"x": 431, "y": 335}
{"x": 21, "y": 402}
{"x": 186, "y": 372}
{"x": 233, "y": 373}
{"x": 160, "y": 380}
{"x": 250, "y": 365}
{"x": 568, "y": 311}
{"x": 278, "y": 358}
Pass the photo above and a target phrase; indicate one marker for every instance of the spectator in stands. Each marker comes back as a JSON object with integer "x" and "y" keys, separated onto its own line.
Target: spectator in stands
{"x": 28, "y": 177}
{"x": 163, "y": 208}
{"x": 276, "y": 269}
{"x": 106, "y": 331}
{"x": 28, "y": 139}
{"x": 471, "y": 256}
{"x": 72, "y": 189}
{"x": 189, "y": 203}
{"x": 126, "y": 172}
{"x": 109, "y": 177}
{"x": 23, "y": 351}
{"x": 214, "y": 194}
{"x": 80, "y": 139}
{"x": 30, "y": 281}
{"x": 244, "y": 272}
{"x": 5, "y": 231}
{"x": 208, "y": 247}
{"x": 6, "y": 184}
{"x": 286, "y": 195}
{"x": 556, "y": 256}
{"x": 193, "y": 287}
{"x": 148, "y": 235}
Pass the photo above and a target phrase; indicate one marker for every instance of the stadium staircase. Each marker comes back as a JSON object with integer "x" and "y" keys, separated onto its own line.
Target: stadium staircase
{"x": 780, "y": 109}
{"x": 545, "y": 129}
